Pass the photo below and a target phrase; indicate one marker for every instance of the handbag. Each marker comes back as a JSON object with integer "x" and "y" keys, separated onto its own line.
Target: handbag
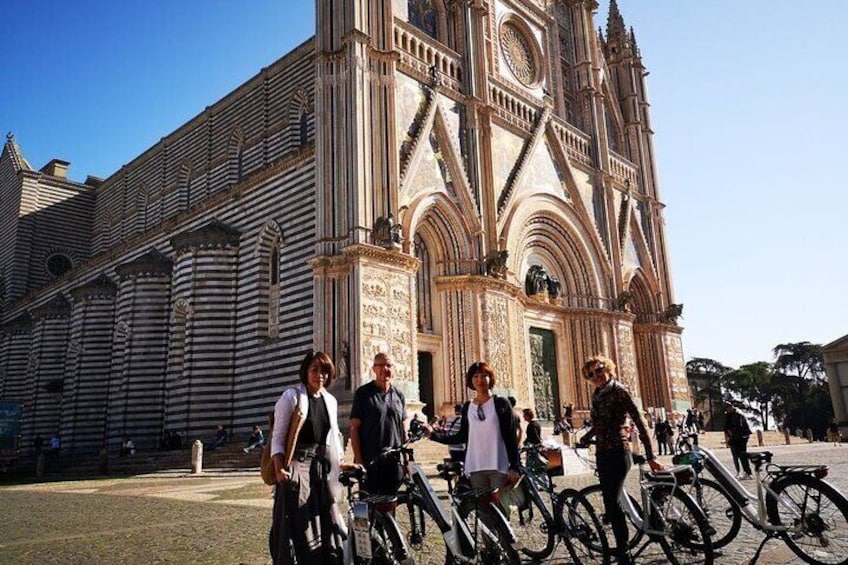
{"x": 266, "y": 463}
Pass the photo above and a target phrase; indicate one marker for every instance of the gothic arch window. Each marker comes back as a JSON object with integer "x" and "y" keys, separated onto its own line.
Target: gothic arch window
{"x": 268, "y": 252}
{"x": 141, "y": 209}
{"x": 423, "y": 285}
{"x": 235, "y": 157}
{"x": 612, "y": 131}
{"x": 298, "y": 118}
{"x": 424, "y": 16}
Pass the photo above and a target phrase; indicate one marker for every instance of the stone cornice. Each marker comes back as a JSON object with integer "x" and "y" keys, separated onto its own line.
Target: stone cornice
{"x": 657, "y": 328}
{"x": 213, "y": 235}
{"x": 477, "y": 282}
{"x": 56, "y": 308}
{"x": 328, "y": 264}
{"x": 151, "y": 264}
{"x": 102, "y": 287}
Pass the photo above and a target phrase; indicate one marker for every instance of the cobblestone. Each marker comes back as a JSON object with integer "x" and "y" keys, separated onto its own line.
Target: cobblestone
{"x": 181, "y": 518}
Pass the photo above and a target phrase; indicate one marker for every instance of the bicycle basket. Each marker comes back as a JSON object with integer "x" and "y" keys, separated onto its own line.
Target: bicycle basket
{"x": 554, "y": 459}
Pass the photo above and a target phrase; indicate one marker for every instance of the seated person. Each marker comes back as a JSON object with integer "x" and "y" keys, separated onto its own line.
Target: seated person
{"x": 256, "y": 439}
{"x": 220, "y": 439}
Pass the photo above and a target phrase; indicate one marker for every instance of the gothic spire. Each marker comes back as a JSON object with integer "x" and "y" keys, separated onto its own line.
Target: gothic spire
{"x": 615, "y": 23}
{"x": 11, "y": 148}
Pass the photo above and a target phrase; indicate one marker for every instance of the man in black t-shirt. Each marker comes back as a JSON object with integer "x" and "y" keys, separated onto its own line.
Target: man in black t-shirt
{"x": 377, "y": 422}
{"x": 736, "y": 434}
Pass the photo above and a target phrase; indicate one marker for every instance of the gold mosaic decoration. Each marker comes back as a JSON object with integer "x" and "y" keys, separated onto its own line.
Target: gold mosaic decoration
{"x": 518, "y": 53}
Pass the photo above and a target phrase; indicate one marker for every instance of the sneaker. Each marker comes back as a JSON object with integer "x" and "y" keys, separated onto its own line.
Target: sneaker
{"x": 740, "y": 474}
{"x": 747, "y": 477}
{"x": 245, "y": 449}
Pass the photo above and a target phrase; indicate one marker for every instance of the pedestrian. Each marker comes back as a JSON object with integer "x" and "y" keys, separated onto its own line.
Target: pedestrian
{"x": 569, "y": 416}
{"x": 661, "y": 431}
{"x": 307, "y": 526}
{"x": 611, "y": 405}
{"x": 833, "y": 432}
{"x": 488, "y": 430}
{"x": 534, "y": 429}
{"x": 220, "y": 439}
{"x": 736, "y": 435}
{"x": 378, "y": 421}
{"x": 452, "y": 427}
{"x": 702, "y": 428}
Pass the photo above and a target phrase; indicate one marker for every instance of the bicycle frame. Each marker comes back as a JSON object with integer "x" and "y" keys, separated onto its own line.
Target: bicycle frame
{"x": 739, "y": 495}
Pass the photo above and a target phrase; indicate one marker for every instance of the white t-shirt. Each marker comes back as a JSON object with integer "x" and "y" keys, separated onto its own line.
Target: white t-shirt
{"x": 483, "y": 435}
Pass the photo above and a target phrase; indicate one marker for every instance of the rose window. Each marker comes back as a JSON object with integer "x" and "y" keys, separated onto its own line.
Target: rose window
{"x": 518, "y": 53}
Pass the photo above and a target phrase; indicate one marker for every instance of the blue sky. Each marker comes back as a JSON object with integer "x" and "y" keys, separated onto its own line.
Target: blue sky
{"x": 747, "y": 106}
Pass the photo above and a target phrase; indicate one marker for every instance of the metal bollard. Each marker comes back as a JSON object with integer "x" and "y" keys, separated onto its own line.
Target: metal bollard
{"x": 197, "y": 457}
{"x": 787, "y": 436}
{"x": 759, "y": 438}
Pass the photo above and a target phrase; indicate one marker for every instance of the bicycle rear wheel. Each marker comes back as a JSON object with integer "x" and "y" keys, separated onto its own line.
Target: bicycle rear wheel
{"x": 816, "y": 513}
{"x": 595, "y": 498}
{"x": 584, "y": 535}
{"x": 687, "y": 534}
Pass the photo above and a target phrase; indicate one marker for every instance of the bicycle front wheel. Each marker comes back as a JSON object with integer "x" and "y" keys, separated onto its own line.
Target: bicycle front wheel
{"x": 595, "y": 498}
{"x": 687, "y": 533}
{"x": 386, "y": 542}
{"x": 426, "y": 543}
{"x": 722, "y": 513}
{"x": 492, "y": 533}
{"x": 528, "y": 522}
{"x": 583, "y": 533}
{"x": 817, "y": 517}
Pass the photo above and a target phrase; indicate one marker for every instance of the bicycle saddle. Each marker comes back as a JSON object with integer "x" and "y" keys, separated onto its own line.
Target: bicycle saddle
{"x": 759, "y": 457}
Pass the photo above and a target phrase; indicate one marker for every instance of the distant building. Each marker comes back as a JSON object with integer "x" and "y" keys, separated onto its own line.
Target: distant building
{"x": 443, "y": 181}
{"x": 835, "y": 356}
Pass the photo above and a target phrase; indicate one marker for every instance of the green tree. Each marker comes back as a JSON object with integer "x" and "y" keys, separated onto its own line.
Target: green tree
{"x": 804, "y": 395}
{"x": 709, "y": 374}
{"x": 756, "y": 384}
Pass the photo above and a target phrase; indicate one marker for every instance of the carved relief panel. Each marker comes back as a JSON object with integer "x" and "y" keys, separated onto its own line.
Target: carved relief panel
{"x": 387, "y": 319}
{"x": 678, "y": 383}
{"x": 496, "y": 339}
{"x": 627, "y": 357}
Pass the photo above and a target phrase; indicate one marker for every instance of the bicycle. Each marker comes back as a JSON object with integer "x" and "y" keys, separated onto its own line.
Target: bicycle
{"x": 672, "y": 519}
{"x": 792, "y": 502}
{"x": 477, "y": 511}
{"x": 573, "y": 521}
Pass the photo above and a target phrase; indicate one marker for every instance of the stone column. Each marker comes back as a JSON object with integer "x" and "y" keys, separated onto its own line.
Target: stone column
{"x": 88, "y": 364}
{"x": 202, "y": 341}
{"x": 46, "y": 369}
{"x": 372, "y": 290}
{"x": 139, "y": 351}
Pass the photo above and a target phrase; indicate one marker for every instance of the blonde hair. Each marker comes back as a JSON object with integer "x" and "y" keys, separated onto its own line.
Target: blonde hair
{"x": 608, "y": 364}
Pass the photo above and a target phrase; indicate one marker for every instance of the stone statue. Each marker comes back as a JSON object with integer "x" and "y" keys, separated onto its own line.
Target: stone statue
{"x": 622, "y": 303}
{"x": 496, "y": 263}
{"x": 536, "y": 281}
{"x": 386, "y": 233}
{"x": 670, "y": 314}
{"x": 554, "y": 288}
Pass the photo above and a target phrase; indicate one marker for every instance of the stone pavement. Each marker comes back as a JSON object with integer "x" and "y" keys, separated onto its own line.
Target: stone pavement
{"x": 223, "y": 517}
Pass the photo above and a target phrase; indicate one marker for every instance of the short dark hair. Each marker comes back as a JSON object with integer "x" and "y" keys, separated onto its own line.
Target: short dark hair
{"x": 326, "y": 367}
{"x": 529, "y": 414}
{"x": 512, "y": 401}
{"x": 479, "y": 367}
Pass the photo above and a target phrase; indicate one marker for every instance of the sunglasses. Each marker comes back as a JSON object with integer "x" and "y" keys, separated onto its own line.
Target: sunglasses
{"x": 480, "y": 414}
{"x": 599, "y": 370}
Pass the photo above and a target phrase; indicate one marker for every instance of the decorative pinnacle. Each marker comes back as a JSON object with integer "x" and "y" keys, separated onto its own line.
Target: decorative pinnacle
{"x": 615, "y": 22}
{"x": 10, "y": 137}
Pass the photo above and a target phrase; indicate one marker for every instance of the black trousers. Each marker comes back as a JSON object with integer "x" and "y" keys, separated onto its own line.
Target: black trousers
{"x": 613, "y": 466}
{"x": 739, "y": 450}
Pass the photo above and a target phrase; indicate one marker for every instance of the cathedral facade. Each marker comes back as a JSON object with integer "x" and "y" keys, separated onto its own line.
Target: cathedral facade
{"x": 444, "y": 181}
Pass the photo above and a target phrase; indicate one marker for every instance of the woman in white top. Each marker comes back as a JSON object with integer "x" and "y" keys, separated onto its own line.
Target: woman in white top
{"x": 488, "y": 430}
{"x": 307, "y": 526}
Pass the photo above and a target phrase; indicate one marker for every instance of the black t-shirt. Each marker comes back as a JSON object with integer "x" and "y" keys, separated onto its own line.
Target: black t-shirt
{"x": 381, "y": 416}
{"x": 736, "y": 426}
{"x": 317, "y": 423}
{"x": 534, "y": 433}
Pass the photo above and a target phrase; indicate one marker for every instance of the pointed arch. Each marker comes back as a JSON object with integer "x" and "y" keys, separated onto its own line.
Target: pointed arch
{"x": 269, "y": 244}
{"x": 235, "y": 156}
{"x": 645, "y": 291}
{"x": 551, "y": 231}
{"x": 299, "y": 115}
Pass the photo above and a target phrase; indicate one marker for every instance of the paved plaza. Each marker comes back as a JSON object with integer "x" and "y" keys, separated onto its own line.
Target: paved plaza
{"x": 224, "y": 517}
